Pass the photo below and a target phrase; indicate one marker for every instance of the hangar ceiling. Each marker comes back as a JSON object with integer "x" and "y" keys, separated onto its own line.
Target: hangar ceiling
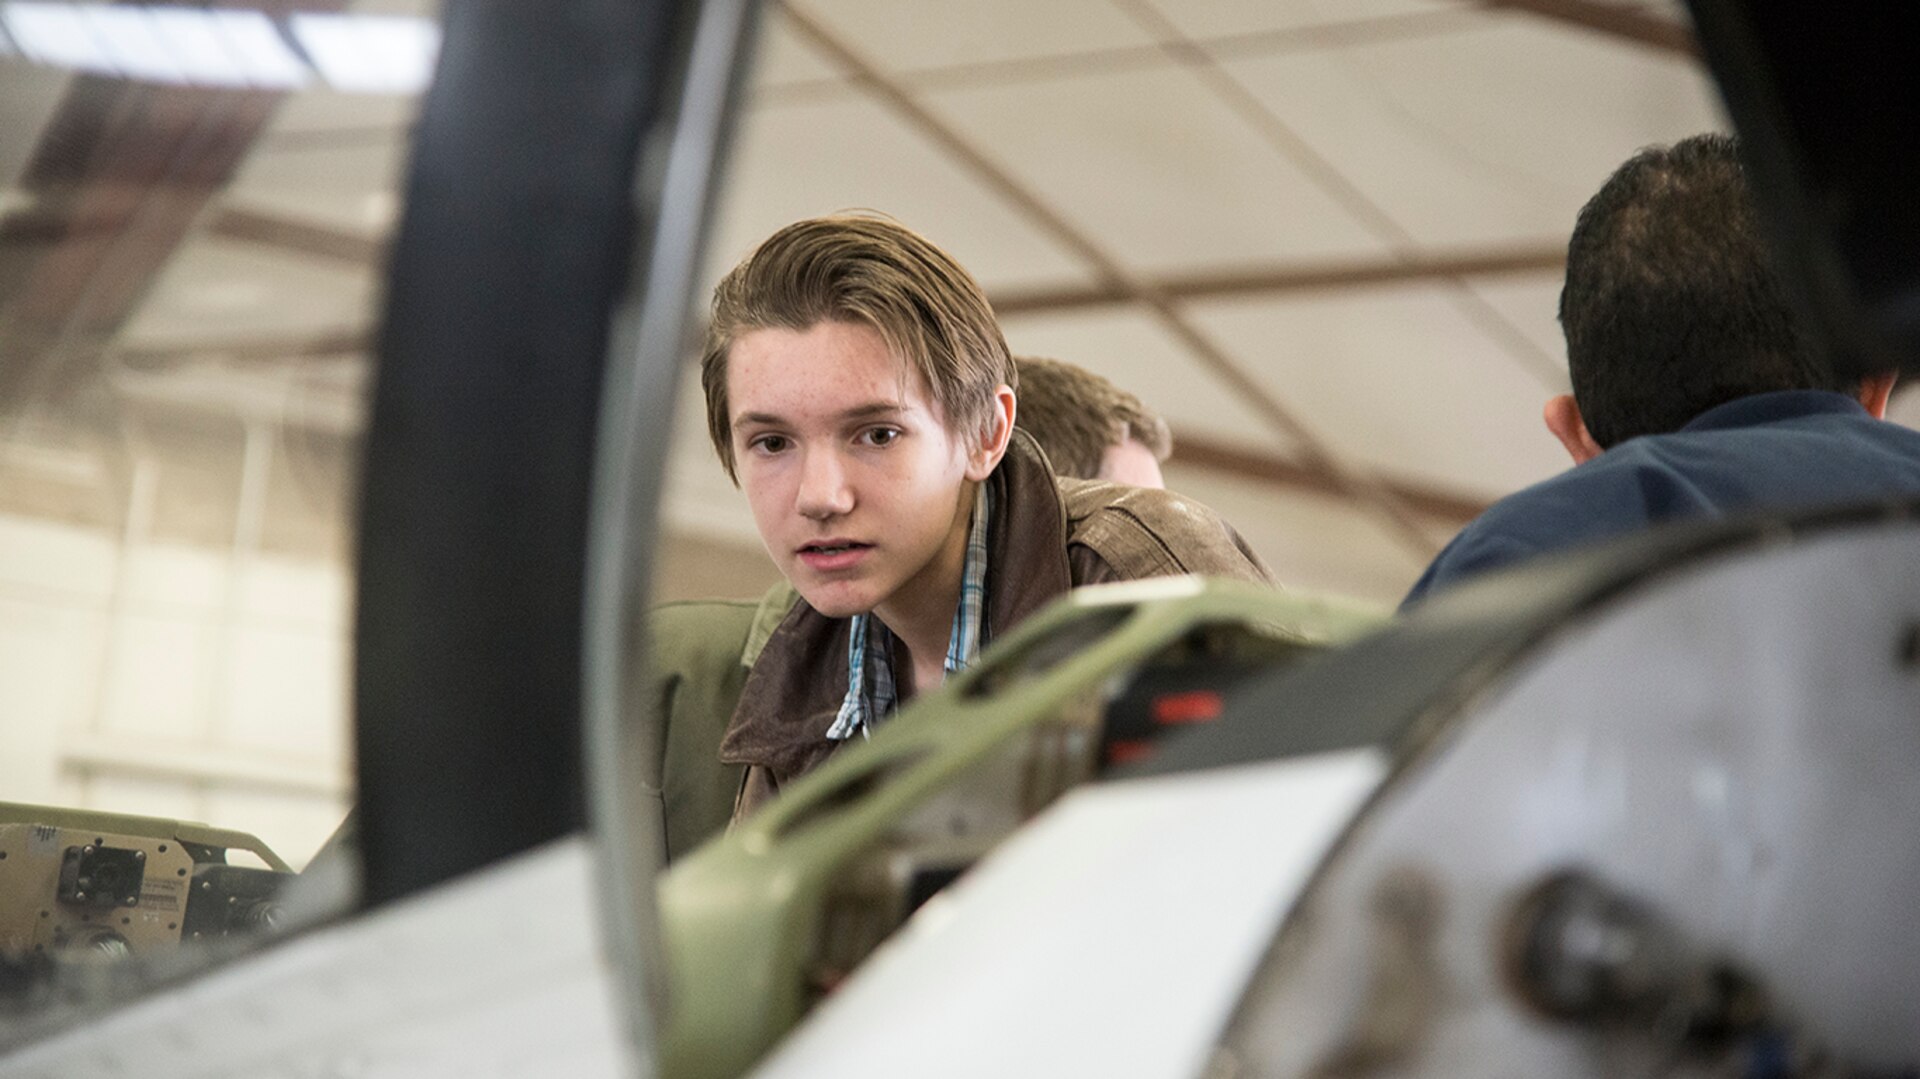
{"x": 1323, "y": 239}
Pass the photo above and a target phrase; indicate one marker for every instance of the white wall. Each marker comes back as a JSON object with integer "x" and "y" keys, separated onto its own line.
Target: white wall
{"x": 174, "y": 681}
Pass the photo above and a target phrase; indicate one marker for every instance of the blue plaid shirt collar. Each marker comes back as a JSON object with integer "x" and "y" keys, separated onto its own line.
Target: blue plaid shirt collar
{"x": 871, "y": 692}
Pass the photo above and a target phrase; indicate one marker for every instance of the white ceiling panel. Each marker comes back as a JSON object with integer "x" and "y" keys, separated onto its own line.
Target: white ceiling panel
{"x": 355, "y": 187}
{"x": 423, "y": 8}
{"x": 1157, "y": 168}
{"x": 1313, "y": 543}
{"x": 1530, "y": 305}
{"x": 317, "y": 108}
{"x": 1396, "y": 378}
{"x": 800, "y": 159}
{"x": 1225, "y": 18}
{"x": 1499, "y": 134}
{"x": 1130, "y": 347}
{"x": 781, "y": 58}
{"x": 240, "y": 290}
{"x": 332, "y": 158}
{"x": 1540, "y": 99}
{"x": 902, "y": 37}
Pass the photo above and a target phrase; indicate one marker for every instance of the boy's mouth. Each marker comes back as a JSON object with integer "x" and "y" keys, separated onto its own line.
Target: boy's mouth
{"x": 833, "y": 554}
{"x": 832, "y": 546}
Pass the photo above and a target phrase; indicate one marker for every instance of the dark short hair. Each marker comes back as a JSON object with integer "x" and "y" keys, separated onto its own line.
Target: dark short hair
{"x": 865, "y": 269}
{"x": 1671, "y": 305}
{"x": 1075, "y": 415}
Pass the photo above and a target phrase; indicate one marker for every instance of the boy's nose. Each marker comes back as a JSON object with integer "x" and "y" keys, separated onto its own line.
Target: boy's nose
{"x": 824, "y": 491}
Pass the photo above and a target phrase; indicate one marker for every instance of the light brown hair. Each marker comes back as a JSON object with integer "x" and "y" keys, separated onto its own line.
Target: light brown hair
{"x": 871, "y": 270}
{"x": 1075, "y": 415}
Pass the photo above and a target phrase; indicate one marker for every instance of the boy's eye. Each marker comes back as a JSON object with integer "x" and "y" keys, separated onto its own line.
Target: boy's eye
{"x": 880, "y": 436}
{"x": 767, "y": 443}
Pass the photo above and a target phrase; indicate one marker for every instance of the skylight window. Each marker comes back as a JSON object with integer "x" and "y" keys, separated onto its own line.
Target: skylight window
{"x": 373, "y": 54}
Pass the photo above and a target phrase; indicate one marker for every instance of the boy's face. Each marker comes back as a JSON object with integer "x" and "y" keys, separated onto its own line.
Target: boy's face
{"x": 861, "y": 493}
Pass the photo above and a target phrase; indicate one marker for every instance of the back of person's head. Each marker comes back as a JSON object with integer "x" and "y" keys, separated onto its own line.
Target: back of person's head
{"x": 1671, "y": 305}
{"x": 871, "y": 270}
{"x": 1076, "y": 416}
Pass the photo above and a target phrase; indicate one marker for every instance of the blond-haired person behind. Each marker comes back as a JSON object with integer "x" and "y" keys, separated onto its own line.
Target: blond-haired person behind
{"x": 1089, "y": 427}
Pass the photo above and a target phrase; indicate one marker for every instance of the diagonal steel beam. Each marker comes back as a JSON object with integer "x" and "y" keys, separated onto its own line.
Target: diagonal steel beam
{"x": 1304, "y": 277}
{"x": 1359, "y": 30}
{"x": 1614, "y": 20}
{"x": 43, "y": 228}
{"x": 1195, "y": 451}
{"x": 290, "y": 234}
{"x": 1209, "y": 284}
{"x": 346, "y": 341}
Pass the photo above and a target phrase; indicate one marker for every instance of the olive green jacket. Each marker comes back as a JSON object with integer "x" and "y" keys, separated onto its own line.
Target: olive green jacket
{"x": 700, "y": 652}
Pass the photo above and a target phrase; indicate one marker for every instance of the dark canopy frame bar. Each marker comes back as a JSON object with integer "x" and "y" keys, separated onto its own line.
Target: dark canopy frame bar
{"x": 1826, "y": 103}
{"x": 538, "y": 293}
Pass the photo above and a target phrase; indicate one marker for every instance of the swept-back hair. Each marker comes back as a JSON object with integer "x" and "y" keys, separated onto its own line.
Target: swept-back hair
{"x": 870, "y": 270}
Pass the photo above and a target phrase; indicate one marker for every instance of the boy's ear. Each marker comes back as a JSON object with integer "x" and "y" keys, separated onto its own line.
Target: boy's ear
{"x": 985, "y": 456}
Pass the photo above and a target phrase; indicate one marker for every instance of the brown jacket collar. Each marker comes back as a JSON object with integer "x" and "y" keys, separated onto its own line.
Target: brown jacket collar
{"x": 800, "y": 677}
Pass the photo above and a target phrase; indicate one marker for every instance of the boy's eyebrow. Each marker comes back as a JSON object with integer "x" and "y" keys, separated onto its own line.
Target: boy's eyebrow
{"x": 870, "y": 410}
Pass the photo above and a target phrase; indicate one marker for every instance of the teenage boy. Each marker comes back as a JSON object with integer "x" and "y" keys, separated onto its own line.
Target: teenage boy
{"x": 702, "y": 650}
{"x": 859, "y": 390}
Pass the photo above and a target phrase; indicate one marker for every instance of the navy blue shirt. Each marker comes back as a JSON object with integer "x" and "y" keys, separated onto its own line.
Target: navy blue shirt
{"x": 1797, "y": 448}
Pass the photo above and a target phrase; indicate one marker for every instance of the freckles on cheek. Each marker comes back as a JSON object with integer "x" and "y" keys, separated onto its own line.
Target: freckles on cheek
{"x": 758, "y": 488}
{"x": 753, "y": 486}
